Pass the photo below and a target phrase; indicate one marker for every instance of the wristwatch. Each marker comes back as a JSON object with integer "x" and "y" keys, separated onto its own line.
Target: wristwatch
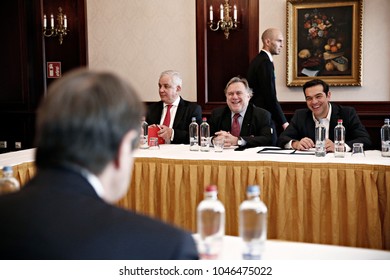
{"x": 239, "y": 142}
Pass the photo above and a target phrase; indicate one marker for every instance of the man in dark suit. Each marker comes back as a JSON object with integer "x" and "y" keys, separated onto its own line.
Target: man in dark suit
{"x": 180, "y": 111}
{"x": 300, "y": 134}
{"x": 87, "y": 130}
{"x": 261, "y": 77}
{"x": 241, "y": 123}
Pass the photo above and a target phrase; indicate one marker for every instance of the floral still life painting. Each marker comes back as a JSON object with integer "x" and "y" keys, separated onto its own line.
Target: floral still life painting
{"x": 323, "y": 42}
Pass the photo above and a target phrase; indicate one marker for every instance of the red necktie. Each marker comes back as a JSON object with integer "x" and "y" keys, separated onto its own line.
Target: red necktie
{"x": 235, "y": 131}
{"x": 167, "y": 119}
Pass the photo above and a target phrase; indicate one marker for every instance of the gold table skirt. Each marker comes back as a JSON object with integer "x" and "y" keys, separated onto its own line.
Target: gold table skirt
{"x": 340, "y": 204}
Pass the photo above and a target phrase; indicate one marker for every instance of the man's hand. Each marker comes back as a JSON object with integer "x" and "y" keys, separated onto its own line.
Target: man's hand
{"x": 165, "y": 132}
{"x": 329, "y": 145}
{"x": 230, "y": 140}
{"x": 305, "y": 144}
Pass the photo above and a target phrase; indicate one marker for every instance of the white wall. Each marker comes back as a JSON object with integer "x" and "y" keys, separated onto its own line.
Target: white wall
{"x": 140, "y": 39}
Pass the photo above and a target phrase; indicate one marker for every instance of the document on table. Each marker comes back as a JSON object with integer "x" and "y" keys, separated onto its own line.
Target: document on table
{"x": 277, "y": 150}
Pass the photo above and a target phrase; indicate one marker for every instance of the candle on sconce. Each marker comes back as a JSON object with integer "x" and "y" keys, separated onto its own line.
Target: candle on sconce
{"x": 65, "y": 22}
{"x": 51, "y": 21}
{"x": 235, "y": 13}
{"x": 211, "y": 13}
{"x": 221, "y": 11}
{"x": 44, "y": 21}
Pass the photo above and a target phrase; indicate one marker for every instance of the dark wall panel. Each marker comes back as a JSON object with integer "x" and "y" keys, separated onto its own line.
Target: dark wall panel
{"x": 219, "y": 59}
{"x": 24, "y": 53}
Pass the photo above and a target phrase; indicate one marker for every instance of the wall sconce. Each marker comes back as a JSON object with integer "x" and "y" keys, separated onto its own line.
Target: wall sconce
{"x": 60, "y": 30}
{"x": 226, "y": 23}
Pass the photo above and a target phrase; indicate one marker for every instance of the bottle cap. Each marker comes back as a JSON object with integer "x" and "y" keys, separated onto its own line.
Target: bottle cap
{"x": 193, "y": 119}
{"x": 7, "y": 168}
{"x": 253, "y": 190}
{"x": 204, "y": 119}
{"x": 339, "y": 120}
{"x": 210, "y": 188}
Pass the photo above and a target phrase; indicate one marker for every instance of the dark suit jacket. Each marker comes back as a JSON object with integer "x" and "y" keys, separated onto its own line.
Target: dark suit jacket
{"x": 255, "y": 129}
{"x": 185, "y": 111}
{"x": 58, "y": 215}
{"x": 261, "y": 78}
{"x": 302, "y": 125}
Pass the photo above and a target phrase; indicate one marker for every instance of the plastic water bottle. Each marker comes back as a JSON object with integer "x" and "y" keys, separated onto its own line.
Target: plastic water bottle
{"x": 385, "y": 138}
{"x": 144, "y": 135}
{"x": 194, "y": 135}
{"x": 8, "y": 183}
{"x": 320, "y": 139}
{"x": 204, "y": 136}
{"x": 253, "y": 224}
{"x": 210, "y": 224}
{"x": 339, "y": 139}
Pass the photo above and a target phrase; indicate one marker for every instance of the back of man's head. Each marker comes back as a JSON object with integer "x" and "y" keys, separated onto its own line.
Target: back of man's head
{"x": 83, "y": 119}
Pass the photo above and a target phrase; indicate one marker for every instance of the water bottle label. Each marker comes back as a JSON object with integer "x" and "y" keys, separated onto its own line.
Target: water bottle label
{"x": 320, "y": 148}
{"x": 194, "y": 146}
{"x": 205, "y": 145}
{"x": 386, "y": 148}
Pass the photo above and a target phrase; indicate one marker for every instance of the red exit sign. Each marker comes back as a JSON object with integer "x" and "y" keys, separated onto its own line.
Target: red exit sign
{"x": 53, "y": 69}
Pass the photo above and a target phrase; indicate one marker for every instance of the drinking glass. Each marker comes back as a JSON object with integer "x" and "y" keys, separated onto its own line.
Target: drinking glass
{"x": 357, "y": 150}
{"x": 219, "y": 142}
{"x": 153, "y": 143}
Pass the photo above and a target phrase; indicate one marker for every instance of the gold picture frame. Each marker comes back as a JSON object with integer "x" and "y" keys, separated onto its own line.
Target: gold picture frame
{"x": 324, "y": 40}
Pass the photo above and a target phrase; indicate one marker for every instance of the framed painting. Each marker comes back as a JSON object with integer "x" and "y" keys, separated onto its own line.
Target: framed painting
{"x": 324, "y": 40}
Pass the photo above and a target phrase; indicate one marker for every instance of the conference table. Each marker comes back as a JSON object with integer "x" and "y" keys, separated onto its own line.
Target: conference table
{"x": 323, "y": 200}
{"x": 289, "y": 250}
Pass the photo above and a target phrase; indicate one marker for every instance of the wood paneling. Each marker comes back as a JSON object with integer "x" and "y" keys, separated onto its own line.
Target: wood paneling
{"x": 220, "y": 59}
{"x": 73, "y": 51}
{"x": 24, "y": 54}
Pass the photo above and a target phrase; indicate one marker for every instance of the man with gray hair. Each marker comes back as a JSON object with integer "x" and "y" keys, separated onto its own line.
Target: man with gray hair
{"x": 172, "y": 114}
{"x": 241, "y": 123}
{"x": 88, "y": 128}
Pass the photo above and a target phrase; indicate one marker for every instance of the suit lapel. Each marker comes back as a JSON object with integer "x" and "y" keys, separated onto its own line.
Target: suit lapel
{"x": 179, "y": 113}
{"x": 226, "y": 120}
{"x": 333, "y": 120}
{"x": 310, "y": 125}
{"x": 158, "y": 112}
{"x": 246, "y": 122}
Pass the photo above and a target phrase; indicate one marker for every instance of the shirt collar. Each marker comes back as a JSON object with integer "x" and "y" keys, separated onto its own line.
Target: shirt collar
{"x": 327, "y": 117}
{"x": 242, "y": 114}
{"x": 175, "y": 103}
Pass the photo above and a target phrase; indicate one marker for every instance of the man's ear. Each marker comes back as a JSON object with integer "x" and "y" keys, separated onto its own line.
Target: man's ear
{"x": 126, "y": 147}
{"x": 178, "y": 88}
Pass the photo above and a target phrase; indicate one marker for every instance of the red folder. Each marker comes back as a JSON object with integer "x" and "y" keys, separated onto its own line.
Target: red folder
{"x": 152, "y": 132}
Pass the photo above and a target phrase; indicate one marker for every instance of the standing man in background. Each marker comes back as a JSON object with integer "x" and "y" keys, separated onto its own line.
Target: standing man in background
{"x": 172, "y": 114}
{"x": 261, "y": 77}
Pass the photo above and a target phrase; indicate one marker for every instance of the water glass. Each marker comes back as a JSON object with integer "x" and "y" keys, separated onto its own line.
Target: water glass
{"x": 357, "y": 150}
{"x": 153, "y": 143}
{"x": 219, "y": 142}
{"x": 144, "y": 142}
